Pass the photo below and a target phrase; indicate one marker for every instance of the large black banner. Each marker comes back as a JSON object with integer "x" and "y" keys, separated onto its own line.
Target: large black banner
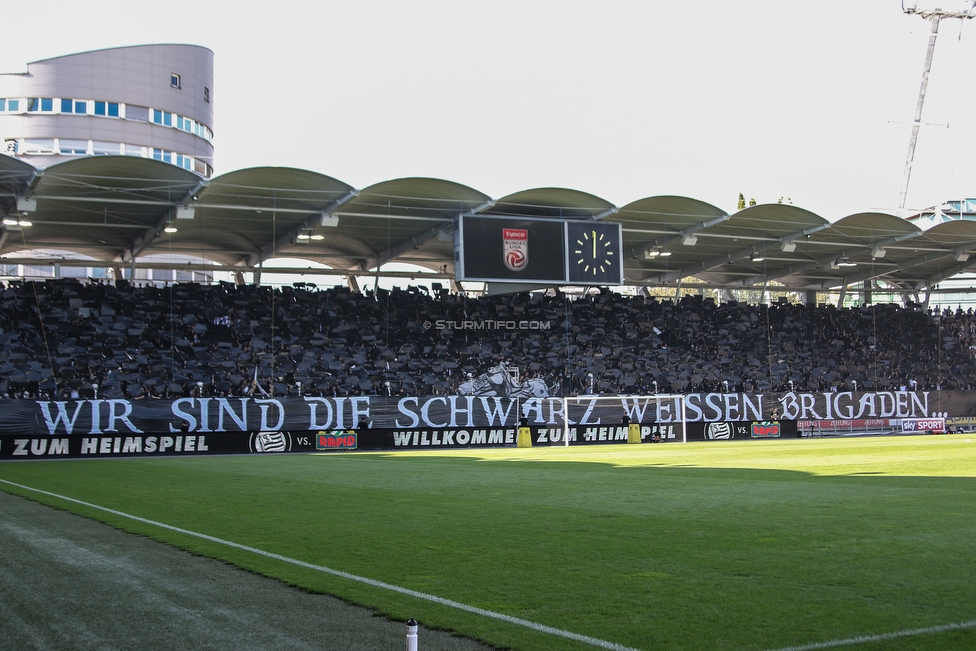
{"x": 249, "y": 424}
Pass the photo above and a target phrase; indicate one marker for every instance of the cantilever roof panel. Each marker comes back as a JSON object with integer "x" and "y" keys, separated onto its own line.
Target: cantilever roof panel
{"x": 99, "y": 206}
{"x": 14, "y": 177}
{"x": 556, "y": 203}
{"x": 115, "y": 208}
{"x": 935, "y": 254}
{"x": 405, "y": 219}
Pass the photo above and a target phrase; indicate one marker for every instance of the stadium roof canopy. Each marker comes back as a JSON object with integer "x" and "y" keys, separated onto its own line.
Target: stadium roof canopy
{"x": 114, "y": 211}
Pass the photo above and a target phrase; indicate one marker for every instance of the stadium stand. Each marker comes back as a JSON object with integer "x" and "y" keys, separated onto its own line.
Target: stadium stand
{"x": 66, "y": 338}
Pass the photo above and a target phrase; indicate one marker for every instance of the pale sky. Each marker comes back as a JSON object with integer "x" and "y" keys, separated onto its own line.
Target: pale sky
{"x": 811, "y": 101}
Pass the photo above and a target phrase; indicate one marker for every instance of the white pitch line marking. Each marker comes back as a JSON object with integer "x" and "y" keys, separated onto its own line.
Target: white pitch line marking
{"x": 518, "y": 621}
{"x": 881, "y": 637}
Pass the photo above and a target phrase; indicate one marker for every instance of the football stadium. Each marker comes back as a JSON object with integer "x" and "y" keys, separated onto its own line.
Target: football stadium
{"x": 539, "y": 421}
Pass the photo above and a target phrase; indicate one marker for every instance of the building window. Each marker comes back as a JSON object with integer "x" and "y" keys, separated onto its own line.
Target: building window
{"x": 206, "y": 94}
{"x": 105, "y": 148}
{"x": 164, "y": 118}
{"x": 138, "y": 113}
{"x": 81, "y": 106}
{"x": 174, "y": 80}
{"x": 13, "y": 104}
{"x": 66, "y": 105}
{"x": 45, "y": 104}
{"x": 134, "y": 150}
{"x": 37, "y": 146}
{"x": 106, "y": 108}
{"x": 72, "y": 147}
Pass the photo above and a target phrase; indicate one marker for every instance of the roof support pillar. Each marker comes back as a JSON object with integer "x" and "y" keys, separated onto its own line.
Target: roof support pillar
{"x": 353, "y": 283}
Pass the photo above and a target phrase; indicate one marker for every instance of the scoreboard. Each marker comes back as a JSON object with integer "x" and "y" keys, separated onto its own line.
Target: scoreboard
{"x": 538, "y": 251}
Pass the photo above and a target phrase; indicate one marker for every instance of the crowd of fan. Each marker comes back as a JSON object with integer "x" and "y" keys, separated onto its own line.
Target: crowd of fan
{"x": 70, "y": 339}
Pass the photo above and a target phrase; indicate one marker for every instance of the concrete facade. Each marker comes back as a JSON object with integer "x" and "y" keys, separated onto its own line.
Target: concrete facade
{"x": 150, "y": 101}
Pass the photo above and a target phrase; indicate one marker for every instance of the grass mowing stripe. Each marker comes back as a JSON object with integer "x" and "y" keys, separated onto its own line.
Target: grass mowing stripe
{"x": 345, "y": 575}
{"x": 882, "y": 637}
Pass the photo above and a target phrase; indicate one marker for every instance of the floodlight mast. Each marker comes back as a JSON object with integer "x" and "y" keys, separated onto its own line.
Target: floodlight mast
{"x": 935, "y": 16}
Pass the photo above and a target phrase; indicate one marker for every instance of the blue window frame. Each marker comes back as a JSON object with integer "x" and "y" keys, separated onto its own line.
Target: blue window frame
{"x": 99, "y": 108}
{"x": 113, "y": 109}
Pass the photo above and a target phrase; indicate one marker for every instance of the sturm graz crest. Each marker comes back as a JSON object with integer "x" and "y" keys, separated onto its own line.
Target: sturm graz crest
{"x": 271, "y": 442}
{"x": 719, "y": 431}
{"x": 515, "y": 248}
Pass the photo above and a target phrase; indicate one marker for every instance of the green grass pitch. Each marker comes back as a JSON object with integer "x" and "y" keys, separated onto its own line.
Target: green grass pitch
{"x": 739, "y": 545}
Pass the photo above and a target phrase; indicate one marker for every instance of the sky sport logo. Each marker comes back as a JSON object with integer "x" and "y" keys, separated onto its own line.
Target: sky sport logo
{"x": 488, "y": 324}
{"x": 923, "y": 424}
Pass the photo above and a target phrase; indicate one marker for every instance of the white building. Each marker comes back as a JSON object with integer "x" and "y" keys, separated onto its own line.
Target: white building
{"x": 148, "y": 101}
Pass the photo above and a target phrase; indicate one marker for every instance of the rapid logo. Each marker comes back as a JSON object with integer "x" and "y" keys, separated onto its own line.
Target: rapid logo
{"x": 767, "y": 429}
{"x": 336, "y": 441}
